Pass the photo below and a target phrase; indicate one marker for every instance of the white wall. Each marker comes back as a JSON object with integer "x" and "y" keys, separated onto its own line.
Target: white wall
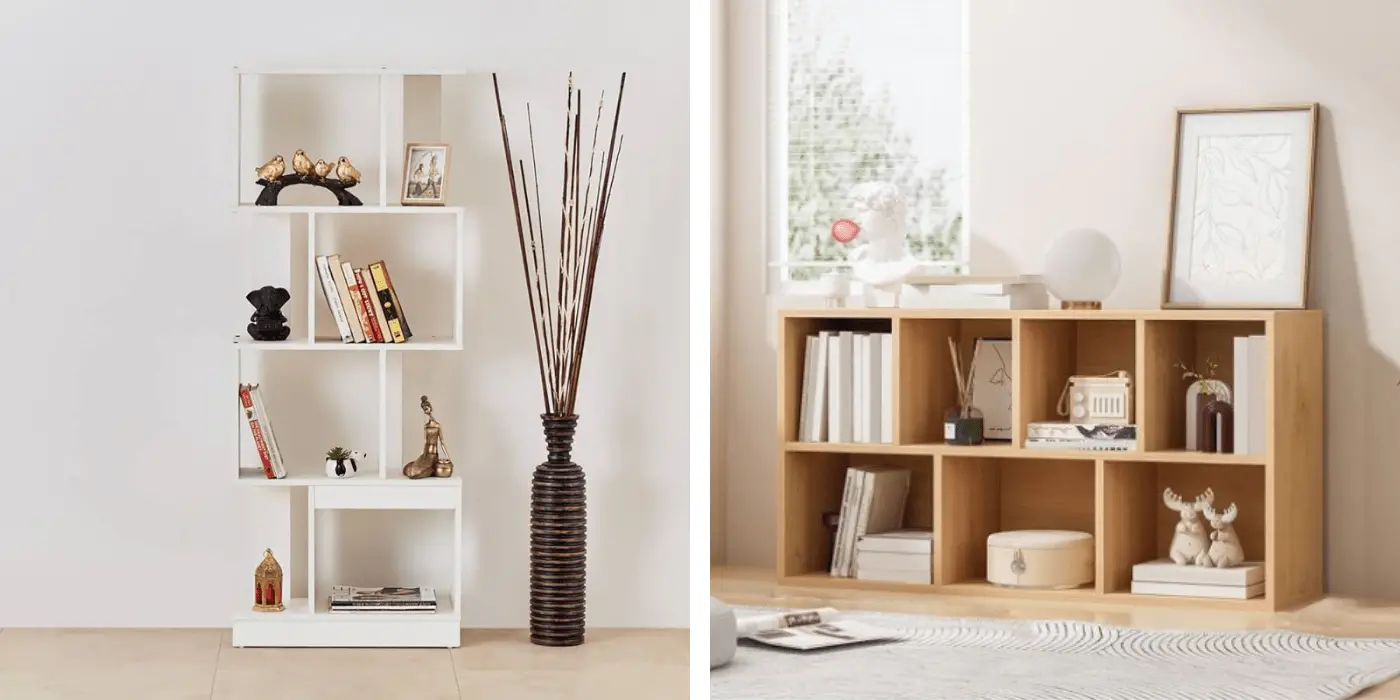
{"x": 1072, "y": 125}
{"x": 122, "y": 263}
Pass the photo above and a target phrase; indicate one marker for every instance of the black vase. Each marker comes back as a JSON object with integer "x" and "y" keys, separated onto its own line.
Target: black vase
{"x": 558, "y": 540}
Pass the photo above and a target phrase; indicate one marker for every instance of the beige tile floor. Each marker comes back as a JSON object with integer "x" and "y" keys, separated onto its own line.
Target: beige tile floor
{"x": 40, "y": 664}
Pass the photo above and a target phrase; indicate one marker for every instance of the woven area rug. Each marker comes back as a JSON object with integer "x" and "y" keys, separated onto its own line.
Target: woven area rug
{"x": 965, "y": 659}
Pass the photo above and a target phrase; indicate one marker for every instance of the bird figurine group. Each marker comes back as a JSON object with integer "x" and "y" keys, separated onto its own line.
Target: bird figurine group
{"x": 273, "y": 169}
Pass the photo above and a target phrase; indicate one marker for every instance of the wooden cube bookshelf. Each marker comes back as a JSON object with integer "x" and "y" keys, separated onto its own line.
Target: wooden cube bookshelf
{"x": 966, "y": 493}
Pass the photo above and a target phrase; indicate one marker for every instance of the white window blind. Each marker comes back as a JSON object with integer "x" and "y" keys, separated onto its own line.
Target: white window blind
{"x": 862, "y": 91}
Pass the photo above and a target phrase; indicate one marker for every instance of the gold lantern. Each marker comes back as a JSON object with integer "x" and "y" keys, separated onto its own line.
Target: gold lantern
{"x": 267, "y": 585}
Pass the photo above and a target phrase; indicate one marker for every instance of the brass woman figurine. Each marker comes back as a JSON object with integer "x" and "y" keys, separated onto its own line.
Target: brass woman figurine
{"x": 434, "y": 461}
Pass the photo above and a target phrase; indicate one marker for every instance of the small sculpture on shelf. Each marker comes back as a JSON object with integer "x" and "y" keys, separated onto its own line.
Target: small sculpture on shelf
{"x": 1215, "y": 430}
{"x": 342, "y": 463}
{"x": 1204, "y": 388}
{"x": 1189, "y": 541}
{"x": 268, "y": 322}
{"x": 267, "y": 585}
{"x": 1225, "y": 548}
{"x": 434, "y": 461}
{"x": 273, "y": 176}
{"x": 883, "y": 261}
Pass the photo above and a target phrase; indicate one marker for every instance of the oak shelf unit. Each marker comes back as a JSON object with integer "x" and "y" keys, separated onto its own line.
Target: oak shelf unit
{"x": 965, "y": 493}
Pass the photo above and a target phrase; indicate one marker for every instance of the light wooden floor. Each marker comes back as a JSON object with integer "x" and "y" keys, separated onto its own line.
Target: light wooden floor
{"x": 1340, "y": 617}
{"x": 40, "y": 664}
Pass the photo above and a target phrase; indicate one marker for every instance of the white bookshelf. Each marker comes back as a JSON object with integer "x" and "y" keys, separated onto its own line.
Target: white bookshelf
{"x": 379, "y": 486}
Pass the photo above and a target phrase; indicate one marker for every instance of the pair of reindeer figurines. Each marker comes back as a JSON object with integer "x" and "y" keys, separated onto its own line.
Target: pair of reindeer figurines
{"x": 1190, "y": 545}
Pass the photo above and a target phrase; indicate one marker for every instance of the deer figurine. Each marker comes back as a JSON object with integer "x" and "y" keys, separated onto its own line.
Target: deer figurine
{"x": 1225, "y": 548}
{"x": 1189, "y": 543}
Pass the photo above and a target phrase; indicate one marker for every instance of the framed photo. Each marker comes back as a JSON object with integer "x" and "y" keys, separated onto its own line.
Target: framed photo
{"x": 425, "y": 174}
{"x": 1241, "y": 208}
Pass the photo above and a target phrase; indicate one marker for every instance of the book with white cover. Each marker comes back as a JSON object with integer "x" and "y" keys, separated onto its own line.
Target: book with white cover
{"x": 839, "y": 375}
{"x": 1166, "y": 571}
{"x": 871, "y": 379}
{"x": 893, "y": 561}
{"x": 911, "y": 541}
{"x": 333, "y": 299}
{"x": 913, "y": 297}
{"x": 887, "y": 388}
{"x": 1241, "y": 389}
{"x": 1192, "y": 590}
{"x": 805, "y": 630}
{"x": 861, "y": 345}
{"x": 895, "y": 575}
{"x": 881, "y": 506}
{"x": 845, "y": 523}
{"x": 807, "y": 416}
{"x": 1257, "y": 427}
{"x": 821, "y": 399}
{"x": 279, "y": 467}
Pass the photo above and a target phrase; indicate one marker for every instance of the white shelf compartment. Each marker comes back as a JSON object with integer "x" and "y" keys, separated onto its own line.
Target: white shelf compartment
{"x": 361, "y": 210}
{"x": 414, "y": 344}
{"x": 301, "y": 626}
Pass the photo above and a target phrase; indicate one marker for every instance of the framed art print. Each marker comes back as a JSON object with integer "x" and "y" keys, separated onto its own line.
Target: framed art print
{"x": 1241, "y": 208}
{"x": 425, "y": 174}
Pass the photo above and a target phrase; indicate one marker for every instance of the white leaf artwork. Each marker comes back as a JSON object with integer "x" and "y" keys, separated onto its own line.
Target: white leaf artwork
{"x": 1240, "y": 207}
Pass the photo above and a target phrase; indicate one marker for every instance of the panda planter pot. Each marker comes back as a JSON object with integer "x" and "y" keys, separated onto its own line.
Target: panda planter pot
{"x": 343, "y": 467}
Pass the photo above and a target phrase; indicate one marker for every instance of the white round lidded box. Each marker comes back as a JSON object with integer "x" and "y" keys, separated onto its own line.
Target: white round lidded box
{"x": 1040, "y": 558}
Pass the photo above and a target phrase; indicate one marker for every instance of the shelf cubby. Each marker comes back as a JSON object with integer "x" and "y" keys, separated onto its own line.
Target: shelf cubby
{"x": 1168, "y": 342}
{"x": 926, "y": 384}
{"x": 979, "y": 496}
{"x": 1053, "y": 350}
{"x": 1138, "y": 526}
{"x": 813, "y": 484}
{"x": 976, "y": 490}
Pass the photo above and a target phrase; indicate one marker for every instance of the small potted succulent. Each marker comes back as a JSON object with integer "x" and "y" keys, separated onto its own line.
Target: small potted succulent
{"x": 341, "y": 463}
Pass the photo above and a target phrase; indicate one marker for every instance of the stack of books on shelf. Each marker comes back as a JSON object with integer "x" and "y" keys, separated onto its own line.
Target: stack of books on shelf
{"x": 389, "y": 599}
{"x": 1098, "y": 437}
{"x": 363, "y": 301}
{"x": 1249, "y": 393}
{"x": 904, "y": 556}
{"x": 1163, "y": 577}
{"x": 872, "y": 501}
{"x": 848, "y": 388}
{"x": 963, "y": 292}
{"x": 255, "y": 411}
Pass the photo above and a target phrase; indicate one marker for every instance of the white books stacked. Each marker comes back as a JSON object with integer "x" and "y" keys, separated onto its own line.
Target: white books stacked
{"x": 1249, "y": 393}
{"x": 872, "y": 501}
{"x": 963, "y": 292}
{"x": 904, "y": 556}
{"x": 1163, "y": 577}
{"x": 847, "y": 388}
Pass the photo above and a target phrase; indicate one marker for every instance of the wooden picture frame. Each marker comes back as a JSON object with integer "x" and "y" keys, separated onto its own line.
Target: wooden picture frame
{"x": 418, "y": 180}
{"x": 1240, "y": 231}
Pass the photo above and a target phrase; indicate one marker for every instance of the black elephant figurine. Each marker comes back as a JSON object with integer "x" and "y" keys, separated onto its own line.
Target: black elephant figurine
{"x": 268, "y": 323}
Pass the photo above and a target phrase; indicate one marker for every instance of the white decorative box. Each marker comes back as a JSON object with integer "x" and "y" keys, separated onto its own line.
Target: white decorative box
{"x": 1040, "y": 558}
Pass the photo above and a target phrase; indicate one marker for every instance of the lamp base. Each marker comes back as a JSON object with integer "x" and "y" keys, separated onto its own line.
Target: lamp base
{"x": 1081, "y": 305}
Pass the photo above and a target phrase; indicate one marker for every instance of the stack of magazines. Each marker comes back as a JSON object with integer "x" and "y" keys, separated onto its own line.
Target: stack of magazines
{"x": 394, "y": 599}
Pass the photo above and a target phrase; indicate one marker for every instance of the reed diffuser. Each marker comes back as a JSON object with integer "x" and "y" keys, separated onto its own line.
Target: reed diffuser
{"x": 963, "y": 424}
{"x": 559, "y": 282}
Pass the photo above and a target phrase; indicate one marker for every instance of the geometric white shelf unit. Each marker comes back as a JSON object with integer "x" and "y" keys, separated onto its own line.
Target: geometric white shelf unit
{"x": 380, "y": 485}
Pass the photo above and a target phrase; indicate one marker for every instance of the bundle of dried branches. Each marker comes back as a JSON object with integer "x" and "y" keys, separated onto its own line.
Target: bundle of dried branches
{"x": 561, "y": 290}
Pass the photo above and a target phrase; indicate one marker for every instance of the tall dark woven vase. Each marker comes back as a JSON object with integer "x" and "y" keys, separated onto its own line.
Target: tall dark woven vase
{"x": 558, "y": 524}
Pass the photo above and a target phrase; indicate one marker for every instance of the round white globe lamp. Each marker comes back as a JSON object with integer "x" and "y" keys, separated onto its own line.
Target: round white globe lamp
{"x": 1081, "y": 268}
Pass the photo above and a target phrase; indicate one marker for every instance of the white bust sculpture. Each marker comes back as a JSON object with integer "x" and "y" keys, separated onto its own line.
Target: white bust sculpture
{"x": 881, "y": 261}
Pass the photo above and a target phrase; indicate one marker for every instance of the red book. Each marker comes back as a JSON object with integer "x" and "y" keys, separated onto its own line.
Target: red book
{"x": 368, "y": 306}
{"x": 245, "y": 397}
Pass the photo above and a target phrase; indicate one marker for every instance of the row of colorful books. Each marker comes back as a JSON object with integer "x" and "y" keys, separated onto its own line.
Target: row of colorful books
{"x": 255, "y": 410}
{"x": 363, "y": 301}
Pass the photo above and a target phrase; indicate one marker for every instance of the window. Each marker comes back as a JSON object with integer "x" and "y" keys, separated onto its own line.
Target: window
{"x": 862, "y": 91}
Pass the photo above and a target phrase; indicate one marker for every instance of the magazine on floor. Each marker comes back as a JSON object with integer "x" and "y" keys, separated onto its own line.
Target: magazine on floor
{"x": 806, "y": 630}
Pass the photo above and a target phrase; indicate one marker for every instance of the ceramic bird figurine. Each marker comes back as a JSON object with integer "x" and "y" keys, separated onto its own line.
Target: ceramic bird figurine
{"x": 301, "y": 163}
{"x": 346, "y": 172}
{"x": 272, "y": 169}
{"x": 321, "y": 168}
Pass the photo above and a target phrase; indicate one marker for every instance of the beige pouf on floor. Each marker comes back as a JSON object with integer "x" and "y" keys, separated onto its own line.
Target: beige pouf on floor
{"x": 724, "y": 633}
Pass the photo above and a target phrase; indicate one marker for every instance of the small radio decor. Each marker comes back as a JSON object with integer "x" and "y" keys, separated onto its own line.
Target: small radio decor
{"x": 1103, "y": 399}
